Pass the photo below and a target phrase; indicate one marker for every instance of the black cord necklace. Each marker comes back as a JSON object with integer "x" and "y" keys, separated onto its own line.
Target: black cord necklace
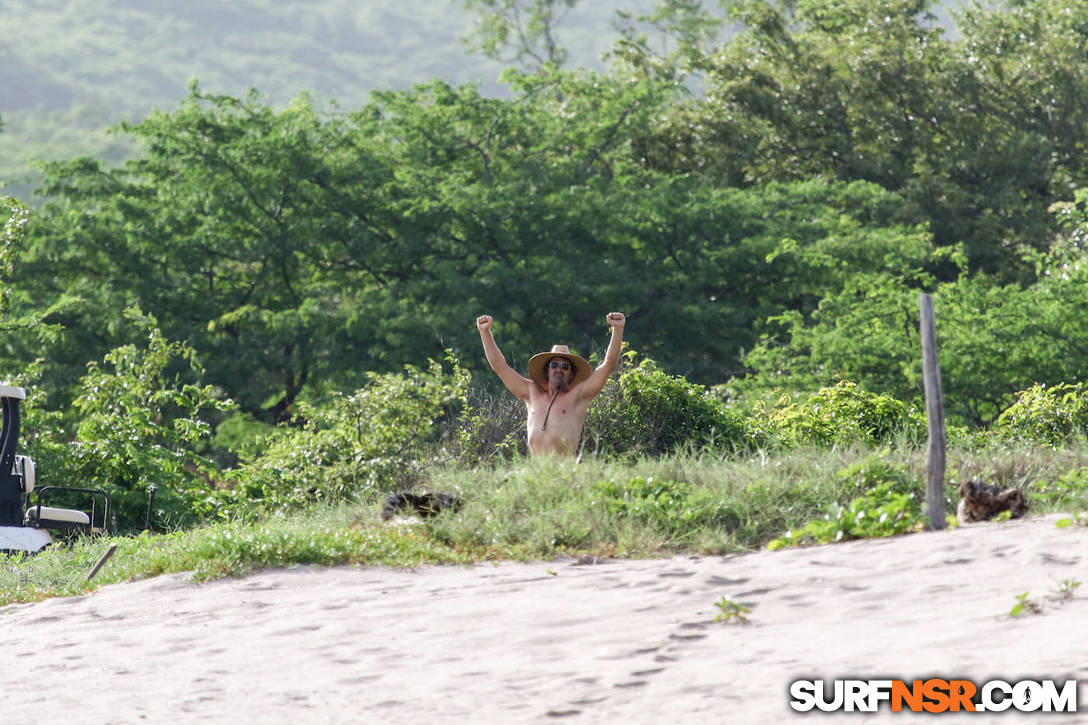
{"x": 544, "y": 427}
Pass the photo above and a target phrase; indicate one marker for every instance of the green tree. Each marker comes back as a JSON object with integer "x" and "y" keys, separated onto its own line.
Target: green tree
{"x": 718, "y": 267}
{"x": 298, "y": 249}
{"x": 994, "y": 339}
{"x": 674, "y": 41}
{"x": 12, "y": 239}
{"x": 139, "y": 426}
{"x": 519, "y": 31}
{"x": 875, "y": 91}
{"x": 232, "y": 231}
{"x": 15, "y": 219}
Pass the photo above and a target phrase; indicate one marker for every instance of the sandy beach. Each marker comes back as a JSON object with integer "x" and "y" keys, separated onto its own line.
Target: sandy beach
{"x": 611, "y": 641}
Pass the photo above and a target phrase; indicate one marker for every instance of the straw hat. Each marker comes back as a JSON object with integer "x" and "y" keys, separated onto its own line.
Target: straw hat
{"x": 538, "y": 363}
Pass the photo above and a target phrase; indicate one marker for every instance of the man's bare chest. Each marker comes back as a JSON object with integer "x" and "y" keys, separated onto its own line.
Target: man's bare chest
{"x": 556, "y": 405}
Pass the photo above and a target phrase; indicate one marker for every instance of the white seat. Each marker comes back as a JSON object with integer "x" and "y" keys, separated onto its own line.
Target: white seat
{"x": 50, "y": 514}
{"x": 11, "y": 391}
{"x": 45, "y": 515}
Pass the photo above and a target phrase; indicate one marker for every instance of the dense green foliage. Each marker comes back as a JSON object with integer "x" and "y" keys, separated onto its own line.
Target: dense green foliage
{"x": 646, "y": 411}
{"x": 844, "y": 414}
{"x": 297, "y": 249}
{"x": 139, "y": 428}
{"x": 767, "y": 235}
{"x": 882, "y": 499}
{"x": 668, "y": 507}
{"x": 356, "y": 446}
{"x": 1051, "y": 415}
{"x": 14, "y": 217}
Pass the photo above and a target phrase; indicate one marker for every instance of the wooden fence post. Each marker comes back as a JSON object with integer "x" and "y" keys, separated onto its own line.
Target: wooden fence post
{"x": 935, "y": 449}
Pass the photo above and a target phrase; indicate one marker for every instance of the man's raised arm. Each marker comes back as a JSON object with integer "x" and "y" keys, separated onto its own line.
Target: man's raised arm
{"x": 515, "y": 383}
{"x": 596, "y": 382}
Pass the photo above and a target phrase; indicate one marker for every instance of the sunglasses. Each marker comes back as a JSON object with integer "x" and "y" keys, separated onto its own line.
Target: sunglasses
{"x": 559, "y": 365}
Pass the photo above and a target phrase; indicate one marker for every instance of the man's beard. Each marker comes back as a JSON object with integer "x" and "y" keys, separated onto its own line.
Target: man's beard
{"x": 560, "y": 381}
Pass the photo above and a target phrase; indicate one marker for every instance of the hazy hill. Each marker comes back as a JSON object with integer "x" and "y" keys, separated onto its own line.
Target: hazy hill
{"x": 73, "y": 67}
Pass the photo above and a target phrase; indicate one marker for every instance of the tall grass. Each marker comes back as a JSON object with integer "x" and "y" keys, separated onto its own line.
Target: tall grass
{"x": 526, "y": 509}
{"x": 327, "y": 536}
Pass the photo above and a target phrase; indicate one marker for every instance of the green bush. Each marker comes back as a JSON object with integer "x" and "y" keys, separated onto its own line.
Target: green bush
{"x": 138, "y": 427}
{"x": 883, "y": 500}
{"x": 1045, "y": 414}
{"x": 492, "y": 425}
{"x": 873, "y": 472}
{"x": 669, "y": 507}
{"x": 879, "y": 514}
{"x": 844, "y": 414}
{"x": 372, "y": 441}
{"x": 1069, "y": 490}
{"x": 240, "y": 437}
{"x": 645, "y": 410}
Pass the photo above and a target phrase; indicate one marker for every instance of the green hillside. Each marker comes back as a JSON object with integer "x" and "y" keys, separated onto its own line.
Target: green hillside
{"x": 75, "y": 67}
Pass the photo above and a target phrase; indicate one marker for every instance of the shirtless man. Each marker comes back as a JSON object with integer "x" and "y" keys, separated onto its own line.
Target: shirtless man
{"x": 559, "y": 388}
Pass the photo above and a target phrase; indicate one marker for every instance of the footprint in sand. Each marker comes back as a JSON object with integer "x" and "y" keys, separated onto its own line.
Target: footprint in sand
{"x": 361, "y": 680}
{"x": 765, "y": 590}
{"x": 297, "y": 630}
{"x": 563, "y": 713}
{"x": 333, "y": 606}
{"x": 257, "y": 586}
{"x": 1051, "y": 559}
{"x": 644, "y": 651}
{"x": 681, "y": 574}
{"x": 646, "y": 673}
{"x": 695, "y": 625}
